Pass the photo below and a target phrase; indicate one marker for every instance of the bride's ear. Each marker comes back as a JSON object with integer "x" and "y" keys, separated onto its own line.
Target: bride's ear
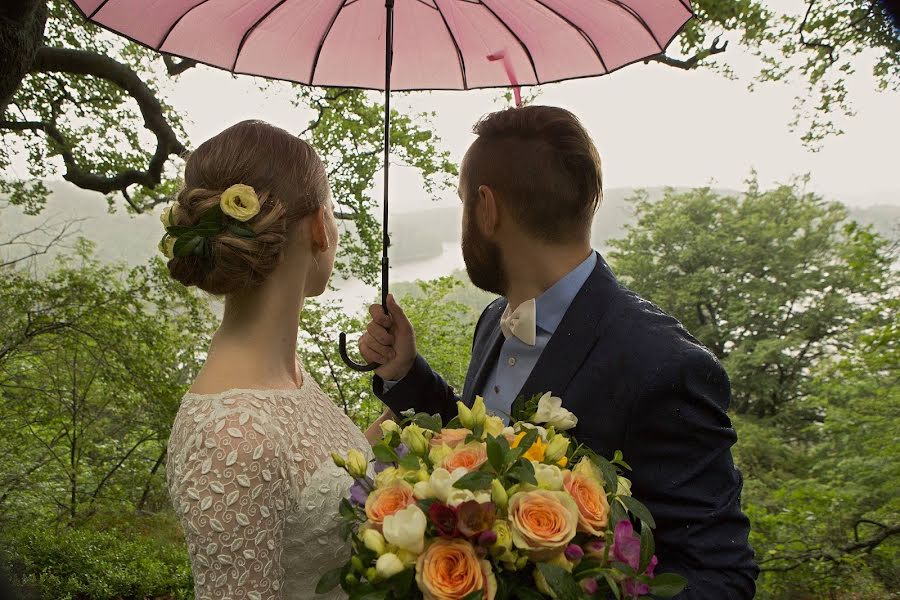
{"x": 318, "y": 225}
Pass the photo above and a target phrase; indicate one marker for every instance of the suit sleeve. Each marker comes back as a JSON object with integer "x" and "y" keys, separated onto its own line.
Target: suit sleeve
{"x": 422, "y": 388}
{"x": 687, "y": 478}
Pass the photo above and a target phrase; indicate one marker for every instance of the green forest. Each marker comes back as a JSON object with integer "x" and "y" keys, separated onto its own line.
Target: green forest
{"x": 796, "y": 296}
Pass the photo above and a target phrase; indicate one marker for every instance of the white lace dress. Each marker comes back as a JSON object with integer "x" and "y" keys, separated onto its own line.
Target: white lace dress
{"x": 252, "y": 481}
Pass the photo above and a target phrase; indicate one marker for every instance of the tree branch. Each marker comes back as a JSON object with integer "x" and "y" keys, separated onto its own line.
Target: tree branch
{"x": 82, "y": 62}
{"x": 177, "y": 67}
{"x": 692, "y": 62}
{"x": 797, "y": 560}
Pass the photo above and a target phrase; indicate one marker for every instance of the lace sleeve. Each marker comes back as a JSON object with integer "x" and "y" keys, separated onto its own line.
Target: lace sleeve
{"x": 230, "y": 493}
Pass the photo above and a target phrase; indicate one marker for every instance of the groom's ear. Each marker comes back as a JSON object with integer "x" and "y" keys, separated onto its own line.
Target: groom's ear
{"x": 487, "y": 211}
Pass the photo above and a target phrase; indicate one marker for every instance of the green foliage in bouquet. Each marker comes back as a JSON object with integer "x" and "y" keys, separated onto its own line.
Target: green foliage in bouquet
{"x": 480, "y": 510}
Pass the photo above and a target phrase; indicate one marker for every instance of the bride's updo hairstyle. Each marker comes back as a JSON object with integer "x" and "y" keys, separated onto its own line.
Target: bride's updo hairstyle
{"x": 290, "y": 181}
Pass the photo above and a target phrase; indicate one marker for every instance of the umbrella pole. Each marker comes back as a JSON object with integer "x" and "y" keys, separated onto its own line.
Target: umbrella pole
{"x": 386, "y": 240}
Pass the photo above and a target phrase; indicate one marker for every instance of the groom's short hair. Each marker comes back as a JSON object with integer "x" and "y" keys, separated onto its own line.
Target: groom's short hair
{"x": 543, "y": 165}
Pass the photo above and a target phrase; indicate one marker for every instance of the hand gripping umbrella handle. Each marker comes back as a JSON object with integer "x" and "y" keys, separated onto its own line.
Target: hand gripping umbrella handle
{"x": 342, "y": 347}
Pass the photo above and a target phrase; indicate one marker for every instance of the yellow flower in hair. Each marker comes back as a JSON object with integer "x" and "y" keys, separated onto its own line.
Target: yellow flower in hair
{"x": 167, "y": 246}
{"x": 167, "y": 215}
{"x": 240, "y": 202}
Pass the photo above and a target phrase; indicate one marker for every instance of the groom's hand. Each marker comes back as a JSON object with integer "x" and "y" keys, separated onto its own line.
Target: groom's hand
{"x": 390, "y": 341}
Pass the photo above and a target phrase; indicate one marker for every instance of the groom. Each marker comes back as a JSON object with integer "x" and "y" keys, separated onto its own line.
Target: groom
{"x": 636, "y": 379}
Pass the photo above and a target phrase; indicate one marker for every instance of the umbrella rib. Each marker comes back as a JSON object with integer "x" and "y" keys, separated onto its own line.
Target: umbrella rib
{"x": 96, "y": 10}
{"x": 577, "y": 28}
{"x": 639, "y": 19}
{"x": 177, "y": 21}
{"x": 459, "y": 55}
{"x": 312, "y": 72}
{"x": 537, "y": 78}
{"x": 251, "y": 29}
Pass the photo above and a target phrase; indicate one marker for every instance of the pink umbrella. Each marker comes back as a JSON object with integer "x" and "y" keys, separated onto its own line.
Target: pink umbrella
{"x": 401, "y": 44}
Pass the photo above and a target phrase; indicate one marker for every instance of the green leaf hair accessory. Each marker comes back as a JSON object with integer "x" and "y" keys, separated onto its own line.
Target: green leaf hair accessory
{"x": 238, "y": 204}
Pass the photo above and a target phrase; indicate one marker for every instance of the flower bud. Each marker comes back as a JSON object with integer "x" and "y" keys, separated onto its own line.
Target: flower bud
{"x": 389, "y": 565}
{"x": 357, "y": 564}
{"x": 414, "y": 439}
{"x": 466, "y": 418}
{"x": 350, "y": 579}
{"x": 487, "y": 538}
{"x": 498, "y": 494}
{"x": 372, "y": 573}
{"x": 479, "y": 412}
{"x": 590, "y": 586}
{"x": 556, "y": 449}
{"x": 574, "y": 552}
{"x": 338, "y": 460}
{"x": 357, "y": 465}
{"x": 388, "y": 427}
{"x": 374, "y": 541}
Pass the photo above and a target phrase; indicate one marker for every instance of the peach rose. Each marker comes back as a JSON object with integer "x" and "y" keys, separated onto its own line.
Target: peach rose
{"x": 469, "y": 457}
{"x": 542, "y": 522}
{"x": 450, "y": 437}
{"x": 450, "y": 569}
{"x": 593, "y": 508}
{"x": 386, "y": 501}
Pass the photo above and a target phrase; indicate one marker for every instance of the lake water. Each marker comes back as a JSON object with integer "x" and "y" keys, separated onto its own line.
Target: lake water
{"x": 353, "y": 294}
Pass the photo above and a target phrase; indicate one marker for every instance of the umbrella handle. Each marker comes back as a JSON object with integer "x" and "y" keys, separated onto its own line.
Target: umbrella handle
{"x": 342, "y": 347}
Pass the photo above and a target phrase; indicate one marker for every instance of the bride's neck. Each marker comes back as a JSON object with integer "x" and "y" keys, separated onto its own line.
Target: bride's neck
{"x": 258, "y": 334}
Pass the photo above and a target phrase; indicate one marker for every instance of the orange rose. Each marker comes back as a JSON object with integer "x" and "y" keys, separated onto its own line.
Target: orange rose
{"x": 469, "y": 457}
{"x": 388, "y": 500}
{"x": 449, "y": 569}
{"x": 450, "y": 437}
{"x": 593, "y": 508}
{"x": 542, "y": 522}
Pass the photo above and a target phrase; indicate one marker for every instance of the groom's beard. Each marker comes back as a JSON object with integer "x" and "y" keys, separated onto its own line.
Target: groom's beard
{"x": 483, "y": 262}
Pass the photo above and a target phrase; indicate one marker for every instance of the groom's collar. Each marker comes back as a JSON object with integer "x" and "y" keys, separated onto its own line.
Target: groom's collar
{"x": 551, "y": 306}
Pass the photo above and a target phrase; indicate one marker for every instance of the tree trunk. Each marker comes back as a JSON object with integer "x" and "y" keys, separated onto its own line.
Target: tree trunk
{"x": 21, "y": 34}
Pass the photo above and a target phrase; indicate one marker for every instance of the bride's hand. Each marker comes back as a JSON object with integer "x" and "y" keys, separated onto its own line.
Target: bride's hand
{"x": 390, "y": 341}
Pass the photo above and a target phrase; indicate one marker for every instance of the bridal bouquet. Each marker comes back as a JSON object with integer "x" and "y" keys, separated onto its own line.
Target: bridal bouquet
{"x": 480, "y": 510}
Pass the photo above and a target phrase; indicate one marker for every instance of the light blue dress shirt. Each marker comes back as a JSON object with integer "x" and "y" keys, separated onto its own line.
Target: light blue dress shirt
{"x": 517, "y": 359}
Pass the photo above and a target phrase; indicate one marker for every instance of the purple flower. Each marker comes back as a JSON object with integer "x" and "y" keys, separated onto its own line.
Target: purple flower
{"x": 401, "y": 450}
{"x": 487, "y": 538}
{"x": 595, "y": 548}
{"x": 626, "y": 545}
{"x": 574, "y": 552}
{"x": 380, "y": 466}
{"x": 590, "y": 586}
{"x": 634, "y": 589}
{"x": 359, "y": 493}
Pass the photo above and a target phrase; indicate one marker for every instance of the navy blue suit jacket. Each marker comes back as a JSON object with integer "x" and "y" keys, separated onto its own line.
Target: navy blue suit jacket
{"x": 640, "y": 383}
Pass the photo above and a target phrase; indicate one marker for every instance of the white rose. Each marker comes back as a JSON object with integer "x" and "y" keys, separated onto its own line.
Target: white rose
{"x": 406, "y": 529}
{"x": 389, "y": 565}
{"x": 551, "y": 412}
{"x": 549, "y": 477}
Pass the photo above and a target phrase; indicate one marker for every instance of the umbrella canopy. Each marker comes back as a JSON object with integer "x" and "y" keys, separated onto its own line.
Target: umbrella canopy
{"x": 401, "y": 45}
{"x": 438, "y": 44}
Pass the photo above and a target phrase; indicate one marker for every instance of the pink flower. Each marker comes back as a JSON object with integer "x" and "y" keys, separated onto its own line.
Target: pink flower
{"x": 627, "y": 549}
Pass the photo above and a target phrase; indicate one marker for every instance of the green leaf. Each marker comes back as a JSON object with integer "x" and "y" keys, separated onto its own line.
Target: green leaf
{"x": 666, "y": 585}
{"x": 346, "y": 509}
{"x": 647, "y": 547}
{"x": 617, "y": 513}
{"x": 560, "y": 581}
{"x": 476, "y": 595}
{"x": 401, "y": 583}
{"x": 426, "y": 421}
{"x": 638, "y": 510}
{"x": 496, "y": 452}
{"x": 609, "y": 473}
{"x": 330, "y": 580}
{"x": 186, "y": 246}
{"x": 385, "y": 454}
{"x": 613, "y": 585}
{"x": 241, "y": 230}
{"x": 523, "y": 472}
{"x": 618, "y": 459}
{"x": 410, "y": 462}
{"x": 478, "y": 480}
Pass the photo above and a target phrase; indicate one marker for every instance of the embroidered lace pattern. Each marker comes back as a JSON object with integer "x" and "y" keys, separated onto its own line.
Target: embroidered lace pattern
{"x": 251, "y": 478}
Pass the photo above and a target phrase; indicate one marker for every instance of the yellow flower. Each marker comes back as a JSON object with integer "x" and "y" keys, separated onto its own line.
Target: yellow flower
{"x": 556, "y": 448}
{"x": 537, "y": 450}
{"x": 414, "y": 437}
{"x": 240, "y": 202}
{"x": 563, "y": 462}
{"x": 494, "y": 426}
{"x": 167, "y": 246}
{"x": 357, "y": 465}
{"x": 166, "y": 216}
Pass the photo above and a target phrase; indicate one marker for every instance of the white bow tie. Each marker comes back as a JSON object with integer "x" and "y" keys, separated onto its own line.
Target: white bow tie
{"x": 521, "y": 323}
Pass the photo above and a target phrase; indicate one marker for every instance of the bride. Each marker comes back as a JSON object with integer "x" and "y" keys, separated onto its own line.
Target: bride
{"x": 249, "y": 468}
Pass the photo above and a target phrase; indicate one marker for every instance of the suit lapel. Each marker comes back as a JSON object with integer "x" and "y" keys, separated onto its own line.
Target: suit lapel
{"x": 485, "y": 351}
{"x": 575, "y": 337}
